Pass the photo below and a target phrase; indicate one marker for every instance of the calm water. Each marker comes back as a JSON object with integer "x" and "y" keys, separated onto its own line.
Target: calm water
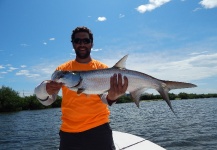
{"x": 194, "y": 129}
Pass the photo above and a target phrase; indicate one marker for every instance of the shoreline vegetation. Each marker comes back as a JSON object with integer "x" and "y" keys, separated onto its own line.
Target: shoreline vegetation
{"x": 10, "y": 100}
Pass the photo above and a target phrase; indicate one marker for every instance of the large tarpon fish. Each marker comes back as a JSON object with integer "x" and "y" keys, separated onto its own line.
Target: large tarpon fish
{"x": 98, "y": 81}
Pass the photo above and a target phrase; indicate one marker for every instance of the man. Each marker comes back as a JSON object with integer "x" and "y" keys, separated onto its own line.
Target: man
{"x": 85, "y": 119}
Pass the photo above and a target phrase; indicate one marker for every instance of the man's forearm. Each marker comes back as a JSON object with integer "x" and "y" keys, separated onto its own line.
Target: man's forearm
{"x": 43, "y": 96}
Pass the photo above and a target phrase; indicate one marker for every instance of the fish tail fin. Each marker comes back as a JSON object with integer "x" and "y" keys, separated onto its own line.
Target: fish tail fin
{"x": 166, "y": 86}
{"x": 178, "y": 85}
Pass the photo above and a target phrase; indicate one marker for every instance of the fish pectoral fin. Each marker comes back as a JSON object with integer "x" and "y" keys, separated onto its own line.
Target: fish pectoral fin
{"x": 56, "y": 75}
{"x": 136, "y": 95}
{"x": 80, "y": 91}
{"x": 121, "y": 63}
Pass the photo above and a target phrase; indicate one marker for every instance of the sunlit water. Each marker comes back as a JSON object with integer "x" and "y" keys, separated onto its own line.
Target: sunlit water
{"x": 195, "y": 128}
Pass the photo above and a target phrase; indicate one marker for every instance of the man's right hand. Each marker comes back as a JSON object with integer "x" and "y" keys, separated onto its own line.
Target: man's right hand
{"x": 53, "y": 87}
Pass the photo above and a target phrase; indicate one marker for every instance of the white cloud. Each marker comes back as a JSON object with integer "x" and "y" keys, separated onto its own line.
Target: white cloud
{"x": 153, "y": 4}
{"x": 26, "y": 73}
{"x": 96, "y": 50}
{"x": 45, "y": 43}
{"x": 197, "y": 9}
{"x": 23, "y": 66}
{"x": 24, "y": 45}
{"x": 12, "y": 69}
{"x": 3, "y": 72}
{"x": 52, "y": 39}
{"x": 2, "y": 67}
{"x": 166, "y": 67}
{"x": 22, "y": 72}
{"x": 71, "y": 55}
{"x": 198, "y": 53}
{"x": 45, "y": 69}
{"x": 101, "y": 19}
{"x": 121, "y": 15}
{"x": 208, "y": 3}
{"x": 191, "y": 68}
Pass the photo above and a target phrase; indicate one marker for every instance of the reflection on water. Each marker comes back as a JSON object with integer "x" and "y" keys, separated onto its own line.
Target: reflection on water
{"x": 194, "y": 128}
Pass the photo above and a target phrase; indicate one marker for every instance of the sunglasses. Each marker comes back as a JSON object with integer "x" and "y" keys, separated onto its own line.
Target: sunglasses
{"x": 79, "y": 41}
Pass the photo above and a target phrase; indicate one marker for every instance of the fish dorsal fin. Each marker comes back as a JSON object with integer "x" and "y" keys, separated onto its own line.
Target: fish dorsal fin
{"x": 121, "y": 63}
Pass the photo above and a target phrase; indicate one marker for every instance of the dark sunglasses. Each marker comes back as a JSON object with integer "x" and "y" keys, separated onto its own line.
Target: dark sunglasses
{"x": 78, "y": 41}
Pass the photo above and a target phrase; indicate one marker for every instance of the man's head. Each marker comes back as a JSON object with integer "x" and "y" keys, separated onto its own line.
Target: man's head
{"x": 82, "y": 29}
{"x": 82, "y": 40}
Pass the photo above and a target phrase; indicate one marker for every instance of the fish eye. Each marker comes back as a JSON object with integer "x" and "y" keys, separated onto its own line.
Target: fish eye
{"x": 74, "y": 73}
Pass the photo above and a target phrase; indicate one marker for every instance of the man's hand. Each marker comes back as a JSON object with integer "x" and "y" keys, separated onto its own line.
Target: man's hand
{"x": 117, "y": 87}
{"x": 53, "y": 87}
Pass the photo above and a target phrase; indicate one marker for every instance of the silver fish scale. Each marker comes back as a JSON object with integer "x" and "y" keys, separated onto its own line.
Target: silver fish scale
{"x": 98, "y": 81}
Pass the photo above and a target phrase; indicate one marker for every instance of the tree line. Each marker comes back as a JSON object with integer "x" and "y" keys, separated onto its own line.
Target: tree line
{"x": 11, "y": 101}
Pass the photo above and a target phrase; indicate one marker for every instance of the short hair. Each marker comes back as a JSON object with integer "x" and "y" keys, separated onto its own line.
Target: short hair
{"x": 81, "y": 29}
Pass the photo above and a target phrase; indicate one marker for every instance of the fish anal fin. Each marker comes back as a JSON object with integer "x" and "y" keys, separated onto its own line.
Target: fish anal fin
{"x": 121, "y": 63}
{"x": 136, "y": 95}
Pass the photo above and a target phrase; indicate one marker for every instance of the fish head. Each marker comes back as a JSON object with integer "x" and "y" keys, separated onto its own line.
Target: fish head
{"x": 57, "y": 75}
{"x": 70, "y": 79}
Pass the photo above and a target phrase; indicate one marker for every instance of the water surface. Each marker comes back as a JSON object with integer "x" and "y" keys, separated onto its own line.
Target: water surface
{"x": 195, "y": 128}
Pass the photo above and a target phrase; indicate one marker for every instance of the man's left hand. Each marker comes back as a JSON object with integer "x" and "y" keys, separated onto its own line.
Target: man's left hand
{"x": 117, "y": 86}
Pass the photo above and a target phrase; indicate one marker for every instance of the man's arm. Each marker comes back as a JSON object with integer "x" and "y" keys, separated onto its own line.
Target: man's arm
{"x": 47, "y": 91}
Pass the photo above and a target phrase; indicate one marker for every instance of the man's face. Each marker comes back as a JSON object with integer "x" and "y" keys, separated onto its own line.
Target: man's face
{"x": 82, "y": 45}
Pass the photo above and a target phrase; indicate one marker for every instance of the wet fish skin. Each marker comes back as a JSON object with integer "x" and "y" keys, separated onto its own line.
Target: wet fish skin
{"x": 98, "y": 81}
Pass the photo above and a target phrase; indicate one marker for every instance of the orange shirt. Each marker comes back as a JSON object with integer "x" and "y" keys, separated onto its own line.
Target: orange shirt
{"x": 82, "y": 112}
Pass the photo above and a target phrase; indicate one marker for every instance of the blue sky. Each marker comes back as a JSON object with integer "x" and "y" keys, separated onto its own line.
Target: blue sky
{"x": 168, "y": 39}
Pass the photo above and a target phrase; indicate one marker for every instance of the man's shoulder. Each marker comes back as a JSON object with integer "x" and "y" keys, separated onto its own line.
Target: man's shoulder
{"x": 99, "y": 64}
{"x": 66, "y": 66}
